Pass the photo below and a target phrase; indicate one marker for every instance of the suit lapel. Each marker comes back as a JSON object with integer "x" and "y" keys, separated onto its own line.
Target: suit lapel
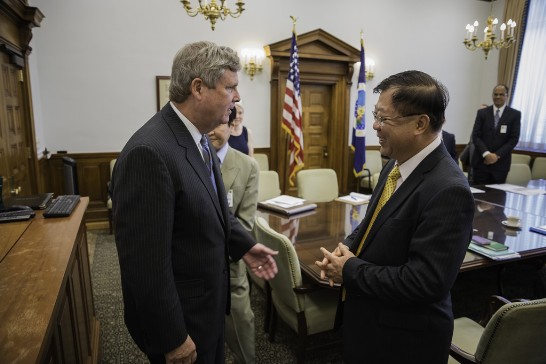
{"x": 229, "y": 174}
{"x": 194, "y": 157}
{"x": 401, "y": 194}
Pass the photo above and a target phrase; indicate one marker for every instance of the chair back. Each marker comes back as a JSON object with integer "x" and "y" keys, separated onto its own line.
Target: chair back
{"x": 374, "y": 164}
{"x": 263, "y": 161}
{"x": 112, "y": 164}
{"x": 539, "y": 168}
{"x": 519, "y": 174}
{"x": 521, "y": 159}
{"x": 515, "y": 334}
{"x": 317, "y": 185}
{"x": 268, "y": 185}
{"x": 289, "y": 274}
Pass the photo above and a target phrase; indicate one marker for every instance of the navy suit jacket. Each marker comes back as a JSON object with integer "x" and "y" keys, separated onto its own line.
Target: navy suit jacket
{"x": 449, "y": 142}
{"x": 488, "y": 138}
{"x": 398, "y": 304}
{"x": 173, "y": 234}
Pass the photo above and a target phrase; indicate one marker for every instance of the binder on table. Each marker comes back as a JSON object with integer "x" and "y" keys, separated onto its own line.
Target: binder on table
{"x": 287, "y": 205}
{"x": 539, "y": 229}
{"x": 36, "y": 202}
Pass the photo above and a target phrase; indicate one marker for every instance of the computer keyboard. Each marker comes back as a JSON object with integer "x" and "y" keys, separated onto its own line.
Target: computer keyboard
{"x": 62, "y": 206}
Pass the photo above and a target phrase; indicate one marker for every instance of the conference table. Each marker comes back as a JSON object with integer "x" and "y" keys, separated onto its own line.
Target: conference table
{"x": 331, "y": 222}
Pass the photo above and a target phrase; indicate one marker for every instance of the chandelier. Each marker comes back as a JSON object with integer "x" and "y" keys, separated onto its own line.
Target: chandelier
{"x": 490, "y": 41}
{"x": 213, "y": 11}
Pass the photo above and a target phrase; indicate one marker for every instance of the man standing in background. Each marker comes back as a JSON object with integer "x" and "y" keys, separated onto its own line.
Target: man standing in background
{"x": 240, "y": 176}
{"x": 174, "y": 230}
{"x": 495, "y": 134}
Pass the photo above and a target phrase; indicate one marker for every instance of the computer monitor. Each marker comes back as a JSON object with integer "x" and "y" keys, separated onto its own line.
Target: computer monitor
{"x": 70, "y": 173}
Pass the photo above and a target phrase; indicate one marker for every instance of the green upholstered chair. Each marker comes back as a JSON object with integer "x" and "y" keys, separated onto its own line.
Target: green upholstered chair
{"x": 268, "y": 185}
{"x": 263, "y": 161}
{"x": 521, "y": 158}
{"x": 519, "y": 174}
{"x": 372, "y": 168}
{"x": 304, "y": 308}
{"x": 515, "y": 333}
{"x": 539, "y": 168}
{"x": 317, "y": 185}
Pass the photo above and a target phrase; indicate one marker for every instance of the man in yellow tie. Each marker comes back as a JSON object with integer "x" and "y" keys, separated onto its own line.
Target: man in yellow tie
{"x": 398, "y": 266}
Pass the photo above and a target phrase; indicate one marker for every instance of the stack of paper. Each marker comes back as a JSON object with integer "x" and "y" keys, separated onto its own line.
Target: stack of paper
{"x": 285, "y": 201}
{"x": 354, "y": 198}
{"x": 495, "y": 255}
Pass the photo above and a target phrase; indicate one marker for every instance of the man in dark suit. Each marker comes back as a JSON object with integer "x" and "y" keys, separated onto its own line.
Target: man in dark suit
{"x": 449, "y": 142}
{"x": 174, "y": 230}
{"x": 398, "y": 266}
{"x": 495, "y": 134}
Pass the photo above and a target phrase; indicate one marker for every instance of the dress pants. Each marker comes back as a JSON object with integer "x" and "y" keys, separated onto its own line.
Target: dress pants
{"x": 240, "y": 332}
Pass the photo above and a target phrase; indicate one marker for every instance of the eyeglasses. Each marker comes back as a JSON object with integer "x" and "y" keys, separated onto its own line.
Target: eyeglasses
{"x": 499, "y": 95}
{"x": 382, "y": 120}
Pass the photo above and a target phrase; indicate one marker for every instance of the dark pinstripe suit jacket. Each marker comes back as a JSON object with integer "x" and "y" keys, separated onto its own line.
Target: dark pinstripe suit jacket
{"x": 173, "y": 235}
{"x": 398, "y": 303}
{"x": 486, "y": 137}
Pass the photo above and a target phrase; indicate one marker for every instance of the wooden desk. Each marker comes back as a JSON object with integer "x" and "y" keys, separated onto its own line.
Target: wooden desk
{"x": 47, "y": 313}
{"x": 331, "y": 222}
{"x": 529, "y": 204}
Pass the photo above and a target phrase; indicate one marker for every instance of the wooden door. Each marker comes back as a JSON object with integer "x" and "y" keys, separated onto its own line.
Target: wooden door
{"x": 316, "y": 100}
{"x": 14, "y": 149}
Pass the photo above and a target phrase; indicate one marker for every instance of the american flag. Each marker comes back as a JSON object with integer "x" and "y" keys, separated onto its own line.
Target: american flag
{"x": 359, "y": 129}
{"x": 292, "y": 113}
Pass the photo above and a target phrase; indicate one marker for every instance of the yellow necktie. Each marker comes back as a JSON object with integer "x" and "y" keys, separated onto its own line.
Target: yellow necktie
{"x": 388, "y": 190}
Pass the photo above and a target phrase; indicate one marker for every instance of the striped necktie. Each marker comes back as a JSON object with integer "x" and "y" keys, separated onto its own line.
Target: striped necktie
{"x": 208, "y": 159}
{"x": 388, "y": 190}
{"x": 497, "y": 118}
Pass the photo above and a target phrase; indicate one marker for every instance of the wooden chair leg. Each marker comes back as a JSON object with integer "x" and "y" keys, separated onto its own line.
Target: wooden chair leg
{"x": 302, "y": 338}
{"x": 272, "y": 324}
{"x": 268, "y": 307}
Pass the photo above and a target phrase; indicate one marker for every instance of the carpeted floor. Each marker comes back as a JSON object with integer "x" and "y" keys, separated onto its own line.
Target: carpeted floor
{"x": 118, "y": 347}
{"x": 469, "y": 296}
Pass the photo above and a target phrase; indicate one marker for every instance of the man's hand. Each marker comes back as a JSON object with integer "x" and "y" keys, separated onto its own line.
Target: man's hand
{"x": 332, "y": 264}
{"x": 260, "y": 261}
{"x": 184, "y": 354}
{"x": 491, "y": 158}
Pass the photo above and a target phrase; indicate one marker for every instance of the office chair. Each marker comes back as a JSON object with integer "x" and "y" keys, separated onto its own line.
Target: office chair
{"x": 372, "y": 168}
{"x": 70, "y": 176}
{"x": 519, "y": 174}
{"x": 268, "y": 185}
{"x": 109, "y": 202}
{"x": 514, "y": 334}
{"x": 317, "y": 185}
{"x": 539, "y": 168}
{"x": 306, "y": 309}
{"x": 521, "y": 159}
{"x": 263, "y": 161}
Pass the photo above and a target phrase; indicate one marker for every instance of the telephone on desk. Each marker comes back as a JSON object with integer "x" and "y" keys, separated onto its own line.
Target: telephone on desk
{"x": 16, "y": 213}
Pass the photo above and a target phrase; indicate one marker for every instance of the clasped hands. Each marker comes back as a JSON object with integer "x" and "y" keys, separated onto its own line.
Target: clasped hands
{"x": 331, "y": 267}
{"x": 491, "y": 158}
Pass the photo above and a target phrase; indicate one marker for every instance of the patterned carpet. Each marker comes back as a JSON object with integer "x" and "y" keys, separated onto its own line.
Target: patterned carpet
{"x": 469, "y": 296}
{"x": 118, "y": 347}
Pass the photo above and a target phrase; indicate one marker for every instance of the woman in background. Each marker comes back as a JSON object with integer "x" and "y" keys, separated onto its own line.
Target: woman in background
{"x": 241, "y": 137}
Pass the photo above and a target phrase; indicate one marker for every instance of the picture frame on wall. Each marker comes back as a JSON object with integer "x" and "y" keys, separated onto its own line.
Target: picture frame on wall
{"x": 162, "y": 86}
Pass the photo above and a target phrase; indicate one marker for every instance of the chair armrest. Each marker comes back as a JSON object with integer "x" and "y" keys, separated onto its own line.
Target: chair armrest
{"x": 306, "y": 288}
{"x": 460, "y": 355}
{"x": 493, "y": 305}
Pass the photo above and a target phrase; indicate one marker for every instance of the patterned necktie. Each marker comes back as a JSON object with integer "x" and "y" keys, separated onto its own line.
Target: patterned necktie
{"x": 390, "y": 186}
{"x": 208, "y": 159}
{"x": 497, "y": 118}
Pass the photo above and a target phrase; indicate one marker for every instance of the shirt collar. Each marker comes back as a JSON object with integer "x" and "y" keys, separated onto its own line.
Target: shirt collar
{"x": 501, "y": 109}
{"x": 195, "y": 134}
{"x": 221, "y": 153}
{"x": 409, "y": 166}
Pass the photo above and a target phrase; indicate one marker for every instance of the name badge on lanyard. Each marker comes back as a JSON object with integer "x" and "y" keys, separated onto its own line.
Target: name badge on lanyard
{"x": 230, "y": 198}
{"x": 503, "y": 129}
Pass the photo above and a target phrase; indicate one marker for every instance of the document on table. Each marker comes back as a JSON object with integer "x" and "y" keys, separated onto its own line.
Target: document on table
{"x": 517, "y": 189}
{"x": 355, "y": 198}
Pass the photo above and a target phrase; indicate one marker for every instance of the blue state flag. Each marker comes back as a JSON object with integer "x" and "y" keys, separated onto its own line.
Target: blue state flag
{"x": 359, "y": 128}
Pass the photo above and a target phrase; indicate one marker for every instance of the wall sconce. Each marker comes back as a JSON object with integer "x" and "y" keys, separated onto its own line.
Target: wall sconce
{"x": 370, "y": 68}
{"x": 252, "y": 60}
